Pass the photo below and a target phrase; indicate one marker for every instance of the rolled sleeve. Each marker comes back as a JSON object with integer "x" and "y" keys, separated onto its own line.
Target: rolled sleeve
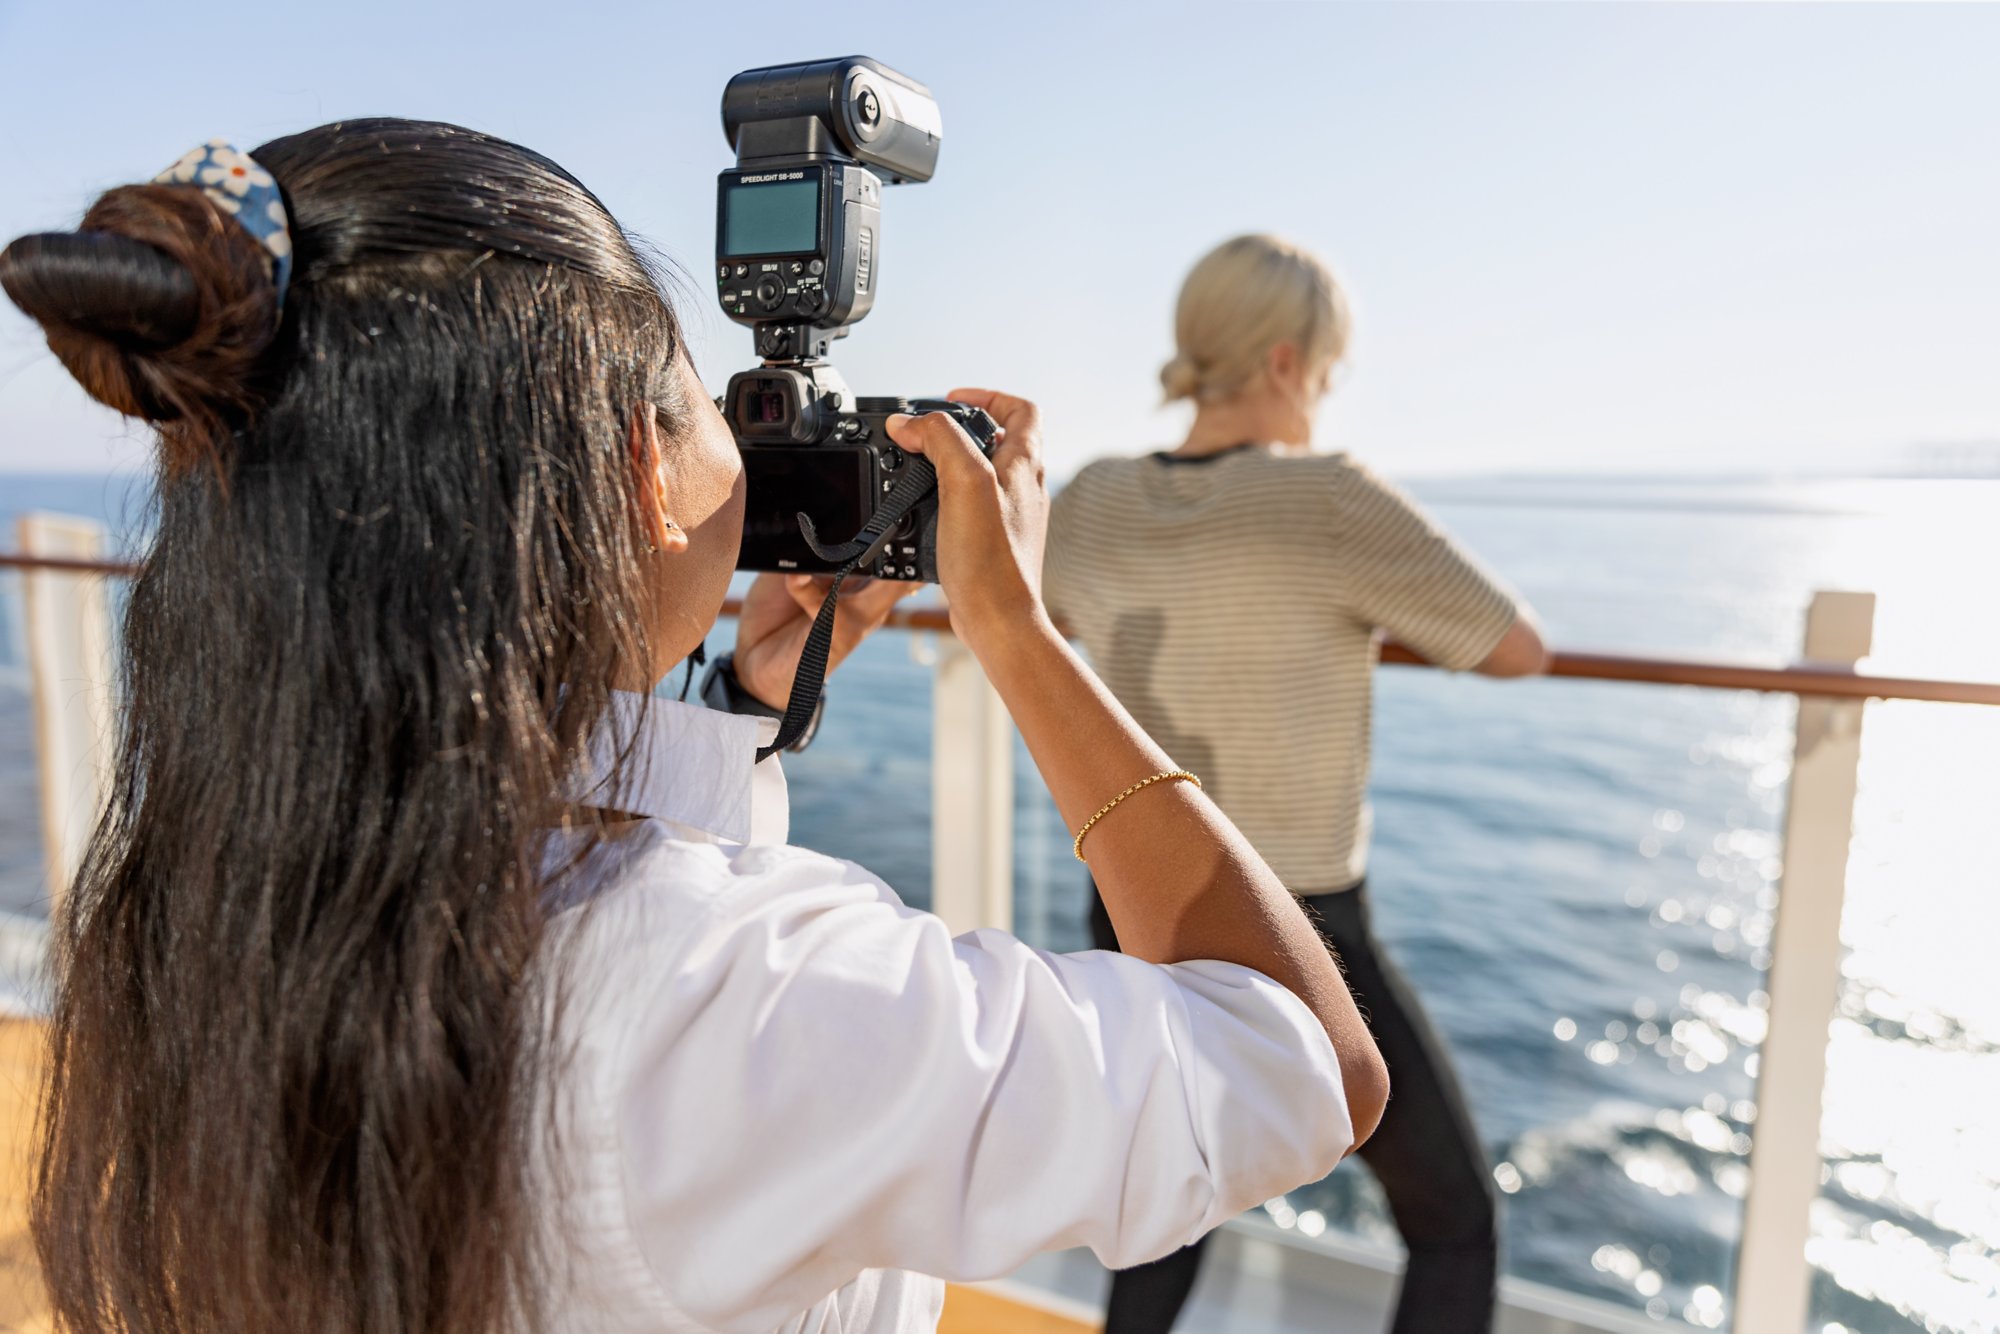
{"x": 833, "y": 1084}
{"x": 1130, "y": 1108}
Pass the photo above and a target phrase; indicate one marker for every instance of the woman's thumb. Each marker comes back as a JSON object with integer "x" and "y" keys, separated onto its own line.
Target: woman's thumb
{"x": 938, "y": 438}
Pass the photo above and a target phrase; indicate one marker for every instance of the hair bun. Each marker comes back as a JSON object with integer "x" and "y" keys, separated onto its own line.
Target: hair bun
{"x": 160, "y": 306}
{"x": 1181, "y": 378}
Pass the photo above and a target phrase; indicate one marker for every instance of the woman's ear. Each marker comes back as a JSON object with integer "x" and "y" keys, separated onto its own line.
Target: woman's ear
{"x": 649, "y": 483}
{"x": 1283, "y": 364}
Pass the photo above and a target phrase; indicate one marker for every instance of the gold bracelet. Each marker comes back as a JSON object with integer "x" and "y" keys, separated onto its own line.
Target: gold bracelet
{"x": 1180, "y": 775}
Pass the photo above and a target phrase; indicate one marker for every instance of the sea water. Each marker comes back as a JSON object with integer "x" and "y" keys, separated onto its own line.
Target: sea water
{"x": 1580, "y": 880}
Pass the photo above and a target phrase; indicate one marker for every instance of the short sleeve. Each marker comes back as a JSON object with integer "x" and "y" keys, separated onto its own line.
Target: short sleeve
{"x": 1400, "y": 572}
{"x": 834, "y": 1084}
{"x": 1062, "y": 567}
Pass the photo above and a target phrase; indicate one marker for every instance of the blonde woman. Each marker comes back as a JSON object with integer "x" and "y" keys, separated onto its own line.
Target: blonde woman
{"x": 1233, "y": 592}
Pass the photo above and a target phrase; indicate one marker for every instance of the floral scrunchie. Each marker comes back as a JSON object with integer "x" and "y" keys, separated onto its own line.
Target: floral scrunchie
{"x": 239, "y": 187}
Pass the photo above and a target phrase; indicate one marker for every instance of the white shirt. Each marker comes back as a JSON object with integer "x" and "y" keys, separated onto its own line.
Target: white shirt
{"x": 790, "y": 1102}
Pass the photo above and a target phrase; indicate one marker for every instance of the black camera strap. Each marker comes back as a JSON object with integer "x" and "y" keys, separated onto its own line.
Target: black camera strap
{"x": 694, "y": 660}
{"x": 917, "y": 482}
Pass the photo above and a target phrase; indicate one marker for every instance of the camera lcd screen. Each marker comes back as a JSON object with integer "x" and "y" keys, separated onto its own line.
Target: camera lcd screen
{"x": 771, "y": 218}
{"x": 832, "y": 485}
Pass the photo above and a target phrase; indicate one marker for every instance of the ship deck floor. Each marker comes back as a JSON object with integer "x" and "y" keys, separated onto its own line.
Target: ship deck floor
{"x": 21, "y": 1306}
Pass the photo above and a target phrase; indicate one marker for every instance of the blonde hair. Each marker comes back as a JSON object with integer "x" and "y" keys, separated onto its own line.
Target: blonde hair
{"x": 1242, "y": 299}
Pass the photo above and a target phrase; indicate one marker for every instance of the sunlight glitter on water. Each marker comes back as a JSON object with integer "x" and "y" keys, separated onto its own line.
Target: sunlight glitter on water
{"x": 1911, "y": 1132}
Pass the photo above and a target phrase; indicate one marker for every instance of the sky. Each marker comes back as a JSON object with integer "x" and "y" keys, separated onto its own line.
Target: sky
{"x": 1579, "y": 238}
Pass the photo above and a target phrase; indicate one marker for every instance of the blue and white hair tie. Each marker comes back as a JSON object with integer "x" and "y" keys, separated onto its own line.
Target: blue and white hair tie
{"x": 239, "y": 187}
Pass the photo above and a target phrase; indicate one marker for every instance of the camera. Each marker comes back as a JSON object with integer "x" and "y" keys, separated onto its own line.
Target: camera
{"x": 797, "y": 251}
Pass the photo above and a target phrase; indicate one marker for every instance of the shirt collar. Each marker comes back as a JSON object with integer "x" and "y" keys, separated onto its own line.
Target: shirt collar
{"x": 691, "y": 767}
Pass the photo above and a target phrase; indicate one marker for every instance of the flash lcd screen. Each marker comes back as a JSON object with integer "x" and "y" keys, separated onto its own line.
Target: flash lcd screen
{"x": 771, "y": 218}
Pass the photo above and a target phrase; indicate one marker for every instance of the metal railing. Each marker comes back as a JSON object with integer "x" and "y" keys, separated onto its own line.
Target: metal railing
{"x": 972, "y": 833}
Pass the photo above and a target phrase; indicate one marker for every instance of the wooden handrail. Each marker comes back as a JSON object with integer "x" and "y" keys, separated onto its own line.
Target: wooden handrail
{"x": 1804, "y": 678}
{"x": 119, "y": 568}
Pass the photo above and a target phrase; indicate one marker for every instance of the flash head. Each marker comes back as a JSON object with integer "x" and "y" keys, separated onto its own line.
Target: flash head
{"x": 799, "y": 217}
{"x": 852, "y": 107}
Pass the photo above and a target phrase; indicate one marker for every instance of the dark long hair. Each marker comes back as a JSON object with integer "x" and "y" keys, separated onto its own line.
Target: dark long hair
{"x": 297, "y": 1036}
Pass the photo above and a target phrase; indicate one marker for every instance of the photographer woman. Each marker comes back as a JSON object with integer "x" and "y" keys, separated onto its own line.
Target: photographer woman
{"x": 425, "y": 974}
{"x": 1232, "y": 591}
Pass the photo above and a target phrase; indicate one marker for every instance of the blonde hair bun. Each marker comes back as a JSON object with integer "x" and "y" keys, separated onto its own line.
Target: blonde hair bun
{"x": 1181, "y": 378}
{"x": 1242, "y": 299}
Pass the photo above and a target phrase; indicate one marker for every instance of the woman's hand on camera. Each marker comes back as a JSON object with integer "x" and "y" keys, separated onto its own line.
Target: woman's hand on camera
{"x": 778, "y": 612}
{"x": 992, "y": 514}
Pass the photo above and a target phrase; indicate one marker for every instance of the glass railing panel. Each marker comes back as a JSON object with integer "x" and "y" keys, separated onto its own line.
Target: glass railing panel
{"x": 1577, "y": 880}
{"x": 1585, "y": 911}
{"x": 22, "y": 890}
{"x": 119, "y": 501}
{"x": 1907, "y": 1229}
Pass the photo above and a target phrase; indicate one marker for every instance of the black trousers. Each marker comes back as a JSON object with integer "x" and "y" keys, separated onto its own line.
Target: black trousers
{"x": 1425, "y": 1153}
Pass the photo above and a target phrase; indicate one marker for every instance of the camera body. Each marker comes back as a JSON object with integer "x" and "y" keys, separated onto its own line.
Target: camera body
{"x": 797, "y": 241}
{"x": 839, "y": 482}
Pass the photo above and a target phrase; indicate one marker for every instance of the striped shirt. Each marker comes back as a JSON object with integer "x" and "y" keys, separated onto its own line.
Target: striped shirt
{"x": 1233, "y": 605}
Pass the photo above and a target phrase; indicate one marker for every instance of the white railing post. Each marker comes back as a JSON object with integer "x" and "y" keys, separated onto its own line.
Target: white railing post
{"x": 972, "y": 795}
{"x": 1773, "y": 1276}
{"x": 68, "y": 622}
